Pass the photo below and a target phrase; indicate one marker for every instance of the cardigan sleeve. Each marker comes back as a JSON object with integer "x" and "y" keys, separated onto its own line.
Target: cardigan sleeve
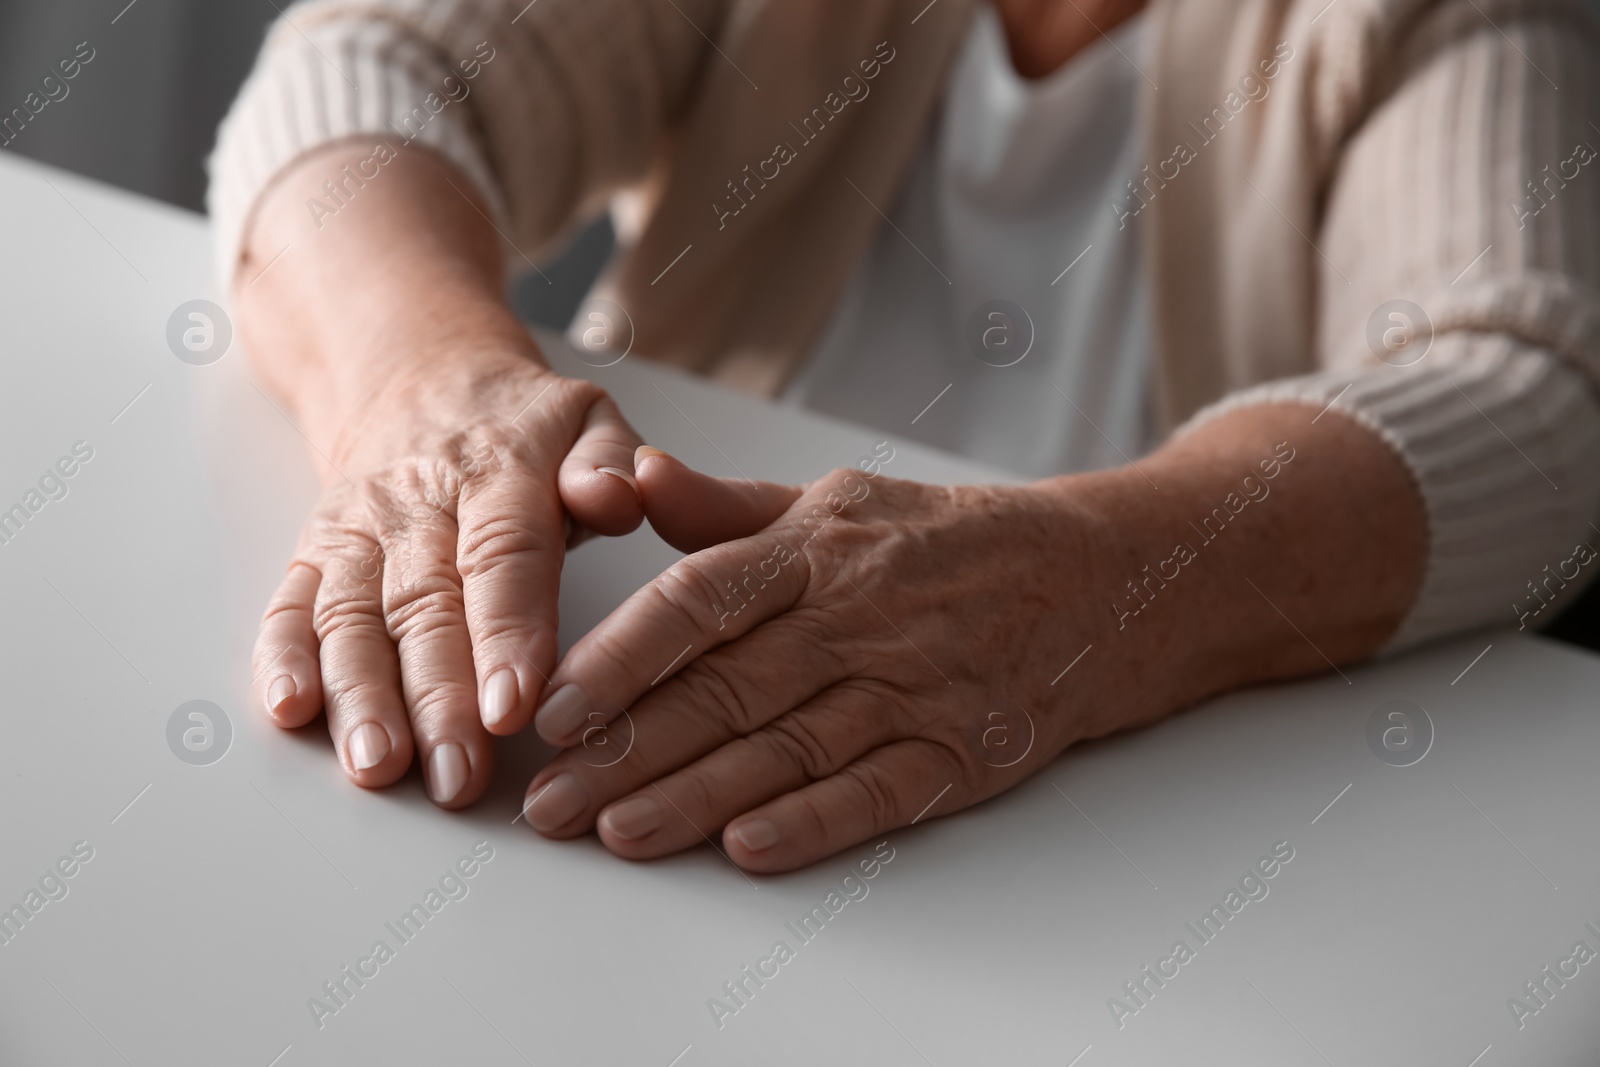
{"x": 1459, "y": 305}
{"x": 545, "y": 107}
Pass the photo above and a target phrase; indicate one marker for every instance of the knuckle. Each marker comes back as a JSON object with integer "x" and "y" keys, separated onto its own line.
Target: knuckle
{"x": 709, "y": 688}
{"x": 819, "y": 823}
{"x": 566, "y": 402}
{"x": 578, "y": 392}
{"x": 341, "y": 549}
{"x": 694, "y": 794}
{"x": 817, "y": 523}
{"x": 265, "y": 656}
{"x": 831, "y": 506}
{"x": 338, "y": 608}
{"x": 958, "y": 762}
{"x": 969, "y": 772}
{"x": 876, "y": 791}
{"x": 347, "y": 693}
{"x": 285, "y": 603}
{"x": 333, "y": 507}
{"x": 353, "y": 575}
{"x": 434, "y": 702}
{"x": 422, "y": 606}
{"x": 491, "y": 544}
{"x": 618, "y": 662}
{"x": 838, "y": 476}
{"x": 689, "y": 591}
{"x": 478, "y": 457}
{"x": 419, "y": 491}
{"x": 795, "y": 739}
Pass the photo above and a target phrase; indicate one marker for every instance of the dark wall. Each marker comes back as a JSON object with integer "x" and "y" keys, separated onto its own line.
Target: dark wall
{"x": 143, "y": 113}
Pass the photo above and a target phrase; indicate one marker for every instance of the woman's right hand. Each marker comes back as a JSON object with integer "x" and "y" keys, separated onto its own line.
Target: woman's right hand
{"x": 419, "y": 609}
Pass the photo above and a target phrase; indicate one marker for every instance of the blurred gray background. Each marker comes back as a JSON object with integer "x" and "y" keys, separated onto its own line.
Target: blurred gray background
{"x": 144, "y": 113}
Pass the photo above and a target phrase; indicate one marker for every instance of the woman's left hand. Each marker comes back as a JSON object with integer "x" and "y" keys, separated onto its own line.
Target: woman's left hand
{"x": 862, "y": 653}
{"x": 875, "y": 652}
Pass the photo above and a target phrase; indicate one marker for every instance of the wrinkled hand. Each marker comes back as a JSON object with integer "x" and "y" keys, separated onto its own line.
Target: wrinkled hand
{"x": 420, "y": 606}
{"x": 872, "y": 652}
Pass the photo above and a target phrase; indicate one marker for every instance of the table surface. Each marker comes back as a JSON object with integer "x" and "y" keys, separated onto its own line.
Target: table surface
{"x": 208, "y": 904}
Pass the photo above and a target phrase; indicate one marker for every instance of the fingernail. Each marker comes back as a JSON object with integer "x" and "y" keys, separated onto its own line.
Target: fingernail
{"x": 282, "y": 689}
{"x": 563, "y": 714}
{"x": 557, "y": 803}
{"x": 447, "y": 771}
{"x": 757, "y": 835}
{"x": 634, "y": 818}
{"x": 369, "y": 744}
{"x": 499, "y": 696}
{"x": 644, "y": 452}
{"x": 618, "y": 472}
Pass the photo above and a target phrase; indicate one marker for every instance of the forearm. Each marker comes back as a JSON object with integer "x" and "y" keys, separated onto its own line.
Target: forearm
{"x": 336, "y": 308}
{"x": 1262, "y": 545}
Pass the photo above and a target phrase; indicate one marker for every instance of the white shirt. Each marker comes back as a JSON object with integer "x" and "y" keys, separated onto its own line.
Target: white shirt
{"x": 1012, "y": 186}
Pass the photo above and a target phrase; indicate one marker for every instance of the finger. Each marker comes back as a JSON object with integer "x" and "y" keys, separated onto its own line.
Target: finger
{"x": 596, "y": 477}
{"x": 720, "y": 697}
{"x": 692, "y": 511}
{"x": 695, "y": 605}
{"x": 424, "y": 608}
{"x": 285, "y": 674}
{"x": 803, "y": 746}
{"x": 508, "y": 554}
{"x": 360, "y": 670}
{"x": 885, "y": 789}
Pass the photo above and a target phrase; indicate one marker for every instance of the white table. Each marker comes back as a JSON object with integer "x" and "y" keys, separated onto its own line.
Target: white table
{"x": 220, "y": 898}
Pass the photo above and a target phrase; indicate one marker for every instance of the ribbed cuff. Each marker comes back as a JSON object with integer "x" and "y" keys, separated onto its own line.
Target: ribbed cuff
{"x": 368, "y": 83}
{"x": 1501, "y": 440}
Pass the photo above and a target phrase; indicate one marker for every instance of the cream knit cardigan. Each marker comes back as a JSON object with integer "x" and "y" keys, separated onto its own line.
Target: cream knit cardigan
{"x": 1308, "y": 161}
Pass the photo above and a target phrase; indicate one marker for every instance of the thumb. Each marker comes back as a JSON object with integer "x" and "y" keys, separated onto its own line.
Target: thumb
{"x": 692, "y": 511}
{"x": 596, "y": 479}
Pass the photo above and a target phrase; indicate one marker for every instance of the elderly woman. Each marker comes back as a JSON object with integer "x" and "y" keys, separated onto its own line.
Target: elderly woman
{"x": 1290, "y": 307}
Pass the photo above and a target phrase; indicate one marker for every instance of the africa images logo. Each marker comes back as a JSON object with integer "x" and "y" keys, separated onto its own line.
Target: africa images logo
{"x": 1400, "y": 733}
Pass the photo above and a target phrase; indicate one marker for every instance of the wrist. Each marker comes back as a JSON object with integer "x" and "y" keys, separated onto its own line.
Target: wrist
{"x": 1172, "y": 580}
{"x": 1265, "y": 544}
{"x": 334, "y": 310}
{"x": 1128, "y": 666}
